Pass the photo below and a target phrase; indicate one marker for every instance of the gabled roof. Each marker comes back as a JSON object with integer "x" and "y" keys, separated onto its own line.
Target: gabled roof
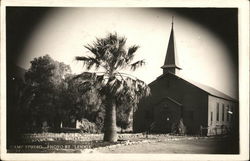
{"x": 210, "y": 90}
{"x": 171, "y": 62}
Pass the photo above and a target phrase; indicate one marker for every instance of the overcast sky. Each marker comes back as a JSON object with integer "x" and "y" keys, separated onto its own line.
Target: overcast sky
{"x": 206, "y": 39}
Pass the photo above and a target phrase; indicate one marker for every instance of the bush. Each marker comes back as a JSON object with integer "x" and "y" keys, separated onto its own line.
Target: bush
{"x": 88, "y": 127}
{"x": 179, "y": 128}
{"x": 45, "y": 127}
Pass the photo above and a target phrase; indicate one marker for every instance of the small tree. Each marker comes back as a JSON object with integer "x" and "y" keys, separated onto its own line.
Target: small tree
{"x": 45, "y": 96}
{"x": 86, "y": 103}
{"x": 114, "y": 87}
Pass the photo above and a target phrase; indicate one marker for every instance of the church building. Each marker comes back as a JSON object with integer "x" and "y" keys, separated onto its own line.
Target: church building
{"x": 203, "y": 109}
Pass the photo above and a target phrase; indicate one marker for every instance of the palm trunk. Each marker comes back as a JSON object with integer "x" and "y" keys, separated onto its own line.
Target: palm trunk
{"x": 110, "y": 133}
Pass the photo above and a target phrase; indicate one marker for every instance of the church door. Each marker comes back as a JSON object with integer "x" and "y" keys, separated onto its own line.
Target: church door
{"x": 167, "y": 121}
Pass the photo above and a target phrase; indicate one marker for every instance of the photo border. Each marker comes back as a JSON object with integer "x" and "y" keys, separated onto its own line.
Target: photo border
{"x": 243, "y": 40}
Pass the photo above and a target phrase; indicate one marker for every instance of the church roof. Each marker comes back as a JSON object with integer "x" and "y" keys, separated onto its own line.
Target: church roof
{"x": 210, "y": 90}
{"x": 170, "y": 60}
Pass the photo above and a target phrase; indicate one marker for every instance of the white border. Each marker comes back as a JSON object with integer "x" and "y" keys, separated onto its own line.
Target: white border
{"x": 243, "y": 8}
{"x": 126, "y": 3}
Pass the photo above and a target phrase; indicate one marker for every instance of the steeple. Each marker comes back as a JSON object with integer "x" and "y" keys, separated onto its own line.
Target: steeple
{"x": 170, "y": 64}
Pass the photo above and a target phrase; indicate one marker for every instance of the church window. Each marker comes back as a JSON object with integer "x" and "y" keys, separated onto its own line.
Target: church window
{"x": 231, "y": 113}
{"x": 217, "y": 111}
{"x": 211, "y": 116}
{"x": 223, "y": 112}
{"x": 227, "y": 114}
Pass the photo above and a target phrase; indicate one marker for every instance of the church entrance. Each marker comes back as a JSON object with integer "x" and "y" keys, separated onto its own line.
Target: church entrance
{"x": 166, "y": 114}
{"x": 164, "y": 120}
{"x": 167, "y": 119}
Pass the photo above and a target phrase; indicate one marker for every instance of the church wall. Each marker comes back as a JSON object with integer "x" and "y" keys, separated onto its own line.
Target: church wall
{"x": 193, "y": 99}
{"x": 194, "y": 103}
{"x": 195, "y": 110}
{"x": 222, "y": 115}
{"x": 144, "y": 116}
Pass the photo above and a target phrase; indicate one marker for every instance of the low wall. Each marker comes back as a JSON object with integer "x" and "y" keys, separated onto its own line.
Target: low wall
{"x": 72, "y": 136}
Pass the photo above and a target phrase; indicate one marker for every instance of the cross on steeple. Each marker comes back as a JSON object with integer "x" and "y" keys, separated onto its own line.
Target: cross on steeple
{"x": 170, "y": 64}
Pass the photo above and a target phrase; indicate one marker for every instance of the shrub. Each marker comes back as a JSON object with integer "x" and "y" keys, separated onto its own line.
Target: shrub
{"x": 179, "y": 128}
{"x": 88, "y": 127}
{"x": 45, "y": 127}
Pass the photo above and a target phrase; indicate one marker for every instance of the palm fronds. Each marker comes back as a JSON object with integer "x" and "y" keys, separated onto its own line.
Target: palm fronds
{"x": 131, "y": 53}
{"x": 89, "y": 61}
{"x": 137, "y": 64}
{"x": 111, "y": 54}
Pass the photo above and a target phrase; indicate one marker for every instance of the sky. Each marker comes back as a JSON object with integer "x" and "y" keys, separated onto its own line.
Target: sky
{"x": 206, "y": 39}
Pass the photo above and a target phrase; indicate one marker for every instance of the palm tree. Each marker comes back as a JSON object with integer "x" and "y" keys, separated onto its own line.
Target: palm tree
{"x": 114, "y": 87}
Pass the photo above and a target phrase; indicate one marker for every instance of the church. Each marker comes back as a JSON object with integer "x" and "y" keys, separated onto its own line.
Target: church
{"x": 202, "y": 109}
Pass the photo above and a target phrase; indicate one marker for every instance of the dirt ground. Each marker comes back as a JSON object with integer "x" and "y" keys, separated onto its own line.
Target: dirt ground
{"x": 128, "y": 143}
{"x": 183, "y": 146}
